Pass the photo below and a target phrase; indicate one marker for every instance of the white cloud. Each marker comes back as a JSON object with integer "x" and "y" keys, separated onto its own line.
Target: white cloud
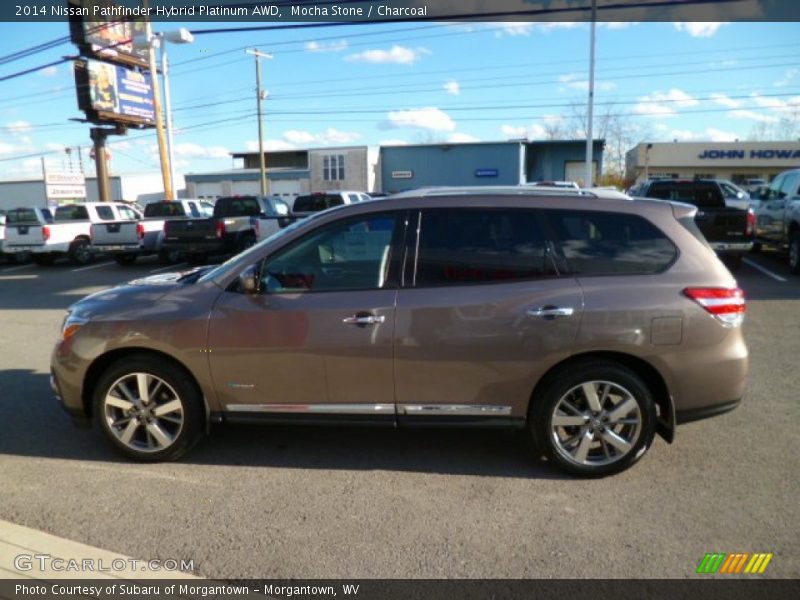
{"x": 197, "y": 151}
{"x": 430, "y": 118}
{"x": 270, "y": 145}
{"x": 400, "y": 55}
{"x": 664, "y": 104}
{"x": 452, "y": 87}
{"x": 17, "y": 127}
{"x": 724, "y": 100}
{"x": 578, "y": 82}
{"x": 328, "y": 137}
{"x": 717, "y": 135}
{"x": 788, "y": 76}
{"x": 699, "y": 29}
{"x": 753, "y": 116}
{"x": 50, "y": 71}
{"x": 393, "y": 142}
{"x": 461, "y": 138}
{"x": 337, "y": 46}
{"x": 533, "y": 131}
{"x": 788, "y": 106}
{"x": 709, "y": 134}
{"x": 518, "y": 28}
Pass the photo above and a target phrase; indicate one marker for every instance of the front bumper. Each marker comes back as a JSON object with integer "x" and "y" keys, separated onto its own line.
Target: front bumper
{"x": 77, "y": 414}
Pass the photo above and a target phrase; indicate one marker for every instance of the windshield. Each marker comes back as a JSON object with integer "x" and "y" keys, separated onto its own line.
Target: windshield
{"x": 232, "y": 262}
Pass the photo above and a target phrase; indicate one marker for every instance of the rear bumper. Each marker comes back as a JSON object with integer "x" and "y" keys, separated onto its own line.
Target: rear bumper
{"x": 732, "y": 247}
{"x": 705, "y": 412}
{"x": 117, "y": 248}
{"x": 204, "y": 247}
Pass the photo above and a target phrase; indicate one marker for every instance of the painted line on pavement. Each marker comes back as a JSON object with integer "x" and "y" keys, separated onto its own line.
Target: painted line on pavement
{"x": 97, "y": 266}
{"x": 764, "y": 270}
{"x": 167, "y": 268}
{"x": 19, "y": 268}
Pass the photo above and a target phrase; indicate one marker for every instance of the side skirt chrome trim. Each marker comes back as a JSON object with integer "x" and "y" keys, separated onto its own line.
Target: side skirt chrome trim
{"x": 314, "y": 409}
{"x": 454, "y": 410}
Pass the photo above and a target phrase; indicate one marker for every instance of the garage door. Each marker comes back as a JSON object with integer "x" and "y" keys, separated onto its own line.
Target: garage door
{"x": 575, "y": 170}
{"x": 287, "y": 189}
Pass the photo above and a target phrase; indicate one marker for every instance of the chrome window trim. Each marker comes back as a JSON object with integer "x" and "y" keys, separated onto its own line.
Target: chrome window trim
{"x": 332, "y": 409}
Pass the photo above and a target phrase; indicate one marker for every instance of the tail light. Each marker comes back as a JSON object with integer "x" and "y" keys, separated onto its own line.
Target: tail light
{"x": 220, "y": 229}
{"x": 140, "y": 231}
{"x": 45, "y": 233}
{"x": 751, "y": 223}
{"x": 727, "y": 305}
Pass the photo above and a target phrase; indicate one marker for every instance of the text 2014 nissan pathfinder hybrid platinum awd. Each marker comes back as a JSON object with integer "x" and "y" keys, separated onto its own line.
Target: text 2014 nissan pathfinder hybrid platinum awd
{"x": 591, "y": 323}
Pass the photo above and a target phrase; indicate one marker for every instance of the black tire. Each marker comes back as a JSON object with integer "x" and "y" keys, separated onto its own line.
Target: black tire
{"x": 44, "y": 260}
{"x": 169, "y": 257}
{"x": 125, "y": 259}
{"x": 198, "y": 258}
{"x": 757, "y": 247}
{"x": 794, "y": 253}
{"x": 565, "y": 385}
{"x": 80, "y": 253}
{"x": 247, "y": 240}
{"x": 177, "y": 380}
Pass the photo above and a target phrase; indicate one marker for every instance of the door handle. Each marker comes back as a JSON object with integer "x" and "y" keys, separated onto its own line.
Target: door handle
{"x": 364, "y": 319}
{"x": 551, "y": 312}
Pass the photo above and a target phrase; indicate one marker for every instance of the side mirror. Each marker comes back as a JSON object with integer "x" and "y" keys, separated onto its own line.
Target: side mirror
{"x": 249, "y": 280}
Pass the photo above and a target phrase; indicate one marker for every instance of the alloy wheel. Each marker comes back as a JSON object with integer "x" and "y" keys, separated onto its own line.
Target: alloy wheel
{"x": 143, "y": 412}
{"x": 596, "y": 423}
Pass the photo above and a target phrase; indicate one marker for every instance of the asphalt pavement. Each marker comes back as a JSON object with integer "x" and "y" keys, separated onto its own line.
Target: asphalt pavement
{"x": 293, "y": 502}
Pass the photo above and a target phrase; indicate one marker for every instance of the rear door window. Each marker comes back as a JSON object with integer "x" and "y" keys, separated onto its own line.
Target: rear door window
{"x": 607, "y": 243}
{"x": 74, "y": 212}
{"x": 462, "y": 246}
{"x": 22, "y": 215}
{"x": 164, "y": 209}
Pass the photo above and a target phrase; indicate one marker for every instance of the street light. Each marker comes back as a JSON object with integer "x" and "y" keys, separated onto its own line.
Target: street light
{"x": 261, "y": 95}
{"x": 150, "y": 41}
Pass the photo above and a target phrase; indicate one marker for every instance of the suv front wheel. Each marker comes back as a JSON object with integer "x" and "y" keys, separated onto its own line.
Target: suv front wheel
{"x": 595, "y": 419}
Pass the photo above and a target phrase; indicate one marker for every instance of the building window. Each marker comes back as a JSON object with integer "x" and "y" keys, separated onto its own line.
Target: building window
{"x": 333, "y": 167}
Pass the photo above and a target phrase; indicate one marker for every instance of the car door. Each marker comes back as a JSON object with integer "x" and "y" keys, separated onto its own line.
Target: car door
{"x": 769, "y": 218}
{"x": 316, "y": 340}
{"x": 481, "y": 316}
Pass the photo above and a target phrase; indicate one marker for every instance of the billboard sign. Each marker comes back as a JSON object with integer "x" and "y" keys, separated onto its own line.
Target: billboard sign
{"x": 60, "y": 185}
{"x": 114, "y": 93}
{"x": 105, "y": 38}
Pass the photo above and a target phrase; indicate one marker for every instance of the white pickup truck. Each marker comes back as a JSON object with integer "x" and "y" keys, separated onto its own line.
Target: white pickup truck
{"x": 68, "y": 234}
{"x": 126, "y": 240}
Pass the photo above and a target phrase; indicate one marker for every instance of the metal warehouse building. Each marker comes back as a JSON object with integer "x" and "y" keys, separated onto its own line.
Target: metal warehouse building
{"x": 484, "y": 163}
{"x": 736, "y": 161}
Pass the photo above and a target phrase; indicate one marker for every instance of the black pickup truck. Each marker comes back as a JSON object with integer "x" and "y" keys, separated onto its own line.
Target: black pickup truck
{"x": 231, "y": 229}
{"x": 728, "y": 230}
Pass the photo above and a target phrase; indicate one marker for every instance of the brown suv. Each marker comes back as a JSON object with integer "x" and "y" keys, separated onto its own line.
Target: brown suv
{"x": 590, "y": 323}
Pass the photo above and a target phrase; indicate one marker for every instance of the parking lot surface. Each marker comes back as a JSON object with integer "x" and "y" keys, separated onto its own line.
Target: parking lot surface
{"x": 292, "y": 502}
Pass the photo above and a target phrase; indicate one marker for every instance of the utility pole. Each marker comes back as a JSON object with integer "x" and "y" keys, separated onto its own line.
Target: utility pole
{"x": 260, "y": 95}
{"x": 588, "y": 179}
{"x": 166, "y": 174}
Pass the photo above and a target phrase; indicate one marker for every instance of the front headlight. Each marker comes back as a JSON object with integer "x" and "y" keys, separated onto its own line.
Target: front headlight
{"x": 72, "y": 323}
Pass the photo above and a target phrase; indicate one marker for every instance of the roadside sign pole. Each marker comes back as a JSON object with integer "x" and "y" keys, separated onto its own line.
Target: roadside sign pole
{"x": 588, "y": 179}
{"x": 99, "y": 136}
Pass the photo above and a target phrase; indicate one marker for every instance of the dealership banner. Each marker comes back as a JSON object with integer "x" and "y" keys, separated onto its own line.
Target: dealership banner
{"x": 114, "y": 93}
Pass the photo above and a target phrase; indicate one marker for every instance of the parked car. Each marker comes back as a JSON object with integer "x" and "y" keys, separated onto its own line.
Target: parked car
{"x": 734, "y": 195}
{"x": 589, "y": 326}
{"x": 754, "y": 185}
{"x": 2, "y": 230}
{"x": 778, "y": 217}
{"x": 231, "y": 229}
{"x": 18, "y": 224}
{"x": 310, "y": 203}
{"x": 126, "y": 240}
{"x": 729, "y": 230}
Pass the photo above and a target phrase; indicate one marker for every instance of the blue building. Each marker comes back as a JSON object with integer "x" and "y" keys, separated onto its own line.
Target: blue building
{"x": 485, "y": 163}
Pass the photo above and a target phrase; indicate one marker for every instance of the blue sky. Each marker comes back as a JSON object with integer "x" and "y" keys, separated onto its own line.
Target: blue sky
{"x": 417, "y": 82}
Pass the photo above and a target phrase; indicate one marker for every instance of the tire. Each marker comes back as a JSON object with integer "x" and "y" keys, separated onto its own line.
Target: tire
{"x": 757, "y": 247}
{"x": 794, "y": 253}
{"x": 44, "y": 260}
{"x": 246, "y": 241}
{"x": 152, "y": 437}
{"x": 574, "y": 447}
{"x": 169, "y": 257}
{"x": 79, "y": 252}
{"x": 125, "y": 259}
{"x": 197, "y": 259}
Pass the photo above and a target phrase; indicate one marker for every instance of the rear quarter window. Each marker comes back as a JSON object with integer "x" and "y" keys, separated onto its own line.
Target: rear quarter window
{"x": 700, "y": 194}
{"x": 22, "y": 215}
{"x": 608, "y": 243}
{"x": 105, "y": 213}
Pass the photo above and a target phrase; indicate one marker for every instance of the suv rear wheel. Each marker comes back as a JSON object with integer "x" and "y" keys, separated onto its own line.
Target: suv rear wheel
{"x": 794, "y": 253}
{"x": 595, "y": 419}
{"x": 79, "y": 252}
{"x": 148, "y": 409}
